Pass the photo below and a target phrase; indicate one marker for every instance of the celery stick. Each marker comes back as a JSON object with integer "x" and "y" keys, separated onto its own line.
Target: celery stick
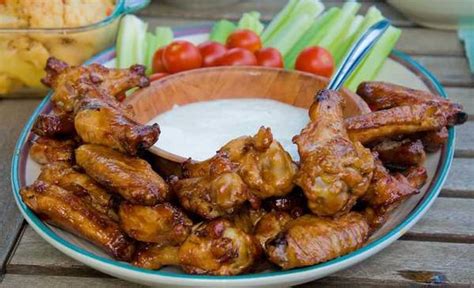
{"x": 151, "y": 43}
{"x": 278, "y": 20}
{"x": 372, "y": 63}
{"x": 221, "y": 30}
{"x": 312, "y": 35}
{"x": 346, "y": 42}
{"x": 287, "y": 37}
{"x": 164, "y": 36}
{"x": 251, "y": 21}
{"x": 330, "y": 40}
{"x": 127, "y": 38}
{"x": 140, "y": 45}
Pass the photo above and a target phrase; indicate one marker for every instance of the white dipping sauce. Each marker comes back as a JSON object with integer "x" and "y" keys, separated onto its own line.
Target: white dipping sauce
{"x": 197, "y": 130}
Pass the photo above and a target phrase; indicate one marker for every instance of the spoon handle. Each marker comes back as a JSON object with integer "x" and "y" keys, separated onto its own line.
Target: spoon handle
{"x": 357, "y": 53}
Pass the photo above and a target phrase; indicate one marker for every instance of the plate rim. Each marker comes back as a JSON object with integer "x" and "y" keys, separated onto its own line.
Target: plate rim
{"x": 106, "y": 264}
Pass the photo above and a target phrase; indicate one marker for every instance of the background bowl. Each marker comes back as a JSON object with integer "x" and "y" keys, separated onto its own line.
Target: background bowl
{"x": 290, "y": 87}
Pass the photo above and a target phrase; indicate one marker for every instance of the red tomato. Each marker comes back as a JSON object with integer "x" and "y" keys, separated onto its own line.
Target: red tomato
{"x": 211, "y": 51}
{"x": 157, "y": 63}
{"x": 244, "y": 38}
{"x": 237, "y": 57}
{"x": 157, "y": 76}
{"x": 181, "y": 56}
{"x": 269, "y": 57}
{"x": 316, "y": 60}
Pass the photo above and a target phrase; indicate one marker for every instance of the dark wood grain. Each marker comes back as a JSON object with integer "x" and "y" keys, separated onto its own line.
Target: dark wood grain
{"x": 13, "y": 114}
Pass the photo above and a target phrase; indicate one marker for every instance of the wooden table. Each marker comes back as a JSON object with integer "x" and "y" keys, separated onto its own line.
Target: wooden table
{"x": 437, "y": 250}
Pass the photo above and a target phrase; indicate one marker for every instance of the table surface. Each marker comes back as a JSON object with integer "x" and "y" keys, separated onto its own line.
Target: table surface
{"x": 437, "y": 250}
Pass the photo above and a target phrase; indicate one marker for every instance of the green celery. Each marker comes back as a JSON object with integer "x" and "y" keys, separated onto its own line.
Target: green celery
{"x": 346, "y": 43}
{"x": 285, "y": 21}
{"x": 331, "y": 39}
{"x": 164, "y": 36}
{"x": 151, "y": 41}
{"x": 140, "y": 45}
{"x": 221, "y": 30}
{"x": 312, "y": 35}
{"x": 126, "y": 42}
{"x": 372, "y": 63}
{"x": 251, "y": 21}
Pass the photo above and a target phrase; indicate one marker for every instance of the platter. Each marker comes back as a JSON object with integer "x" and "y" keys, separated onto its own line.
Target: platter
{"x": 399, "y": 69}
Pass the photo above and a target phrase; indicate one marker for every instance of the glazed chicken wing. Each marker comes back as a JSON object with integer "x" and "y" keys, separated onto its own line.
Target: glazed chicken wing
{"x": 309, "y": 240}
{"x": 83, "y": 186}
{"x": 68, "y": 80}
{"x": 163, "y": 224}
{"x": 401, "y": 154}
{"x": 382, "y": 95}
{"x": 434, "y": 140}
{"x": 402, "y": 120}
{"x": 46, "y": 150}
{"x": 263, "y": 164}
{"x": 270, "y": 225}
{"x": 96, "y": 122}
{"x": 218, "y": 247}
{"x": 247, "y": 217}
{"x": 293, "y": 203}
{"x": 334, "y": 171}
{"x": 62, "y": 208}
{"x": 218, "y": 193}
{"x": 131, "y": 177}
{"x": 155, "y": 256}
{"x": 54, "y": 125}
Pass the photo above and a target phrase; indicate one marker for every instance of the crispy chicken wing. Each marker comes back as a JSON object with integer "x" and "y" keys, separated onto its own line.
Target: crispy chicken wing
{"x": 83, "y": 186}
{"x": 163, "y": 224}
{"x": 434, "y": 140}
{"x": 334, "y": 171}
{"x": 54, "y": 125}
{"x": 263, "y": 164}
{"x": 382, "y": 95}
{"x": 131, "y": 177}
{"x": 46, "y": 150}
{"x": 96, "y": 122}
{"x": 270, "y": 225}
{"x": 155, "y": 256}
{"x": 62, "y": 208}
{"x": 402, "y": 120}
{"x": 218, "y": 247}
{"x": 218, "y": 193}
{"x": 68, "y": 80}
{"x": 309, "y": 240}
{"x": 401, "y": 154}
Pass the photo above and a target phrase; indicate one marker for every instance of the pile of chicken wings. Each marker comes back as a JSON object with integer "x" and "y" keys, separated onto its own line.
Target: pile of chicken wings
{"x": 248, "y": 207}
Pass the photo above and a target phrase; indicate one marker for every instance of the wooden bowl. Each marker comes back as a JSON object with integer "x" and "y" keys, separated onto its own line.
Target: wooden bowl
{"x": 290, "y": 87}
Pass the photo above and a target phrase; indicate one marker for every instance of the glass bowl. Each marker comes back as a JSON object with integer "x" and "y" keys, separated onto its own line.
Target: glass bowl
{"x": 24, "y": 51}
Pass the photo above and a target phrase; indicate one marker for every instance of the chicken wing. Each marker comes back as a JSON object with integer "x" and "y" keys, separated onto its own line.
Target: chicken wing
{"x": 416, "y": 176}
{"x": 46, "y": 150}
{"x": 54, "y": 125}
{"x": 309, "y": 240}
{"x": 270, "y": 225}
{"x": 67, "y": 211}
{"x": 96, "y": 122}
{"x": 218, "y": 248}
{"x": 131, "y": 177}
{"x": 334, "y": 171}
{"x": 83, "y": 186}
{"x": 395, "y": 121}
{"x": 246, "y": 218}
{"x": 68, "y": 80}
{"x": 293, "y": 203}
{"x": 382, "y": 95}
{"x": 163, "y": 224}
{"x": 401, "y": 154}
{"x": 263, "y": 164}
{"x": 434, "y": 140}
{"x": 218, "y": 193}
{"x": 155, "y": 256}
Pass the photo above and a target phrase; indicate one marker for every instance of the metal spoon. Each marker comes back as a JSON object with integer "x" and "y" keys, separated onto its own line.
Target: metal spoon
{"x": 357, "y": 53}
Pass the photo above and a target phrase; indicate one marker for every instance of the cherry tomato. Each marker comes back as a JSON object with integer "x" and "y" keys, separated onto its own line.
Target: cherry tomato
{"x": 269, "y": 57}
{"x": 244, "y": 38}
{"x": 181, "y": 56}
{"x": 157, "y": 76}
{"x": 237, "y": 57}
{"x": 157, "y": 63}
{"x": 316, "y": 60}
{"x": 211, "y": 51}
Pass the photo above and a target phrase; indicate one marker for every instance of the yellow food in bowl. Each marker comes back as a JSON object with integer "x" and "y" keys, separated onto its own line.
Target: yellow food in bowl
{"x": 49, "y": 28}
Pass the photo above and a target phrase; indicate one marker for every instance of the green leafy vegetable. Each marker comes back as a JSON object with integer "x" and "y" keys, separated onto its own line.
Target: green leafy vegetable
{"x": 251, "y": 21}
{"x": 221, "y": 30}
